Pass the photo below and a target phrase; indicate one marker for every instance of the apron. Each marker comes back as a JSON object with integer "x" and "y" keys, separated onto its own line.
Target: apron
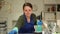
{"x": 27, "y": 27}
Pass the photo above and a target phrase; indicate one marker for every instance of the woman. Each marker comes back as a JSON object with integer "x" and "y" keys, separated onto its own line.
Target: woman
{"x": 26, "y": 21}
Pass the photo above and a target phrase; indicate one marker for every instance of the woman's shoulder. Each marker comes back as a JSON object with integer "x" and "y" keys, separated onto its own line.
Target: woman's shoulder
{"x": 21, "y": 17}
{"x": 33, "y": 15}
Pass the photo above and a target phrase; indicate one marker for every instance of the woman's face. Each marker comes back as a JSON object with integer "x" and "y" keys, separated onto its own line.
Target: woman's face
{"x": 27, "y": 10}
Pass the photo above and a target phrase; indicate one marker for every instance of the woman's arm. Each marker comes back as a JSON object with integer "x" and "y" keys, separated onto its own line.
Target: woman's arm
{"x": 35, "y": 19}
{"x": 18, "y": 25}
{"x": 20, "y": 22}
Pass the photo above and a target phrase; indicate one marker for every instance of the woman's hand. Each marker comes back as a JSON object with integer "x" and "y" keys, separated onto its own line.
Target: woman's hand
{"x": 14, "y": 31}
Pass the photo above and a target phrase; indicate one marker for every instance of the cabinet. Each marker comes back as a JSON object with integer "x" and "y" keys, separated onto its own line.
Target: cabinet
{"x": 50, "y": 11}
{"x": 52, "y": 8}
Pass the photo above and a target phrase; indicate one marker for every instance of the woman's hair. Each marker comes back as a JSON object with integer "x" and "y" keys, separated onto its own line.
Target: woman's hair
{"x": 28, "y": 4}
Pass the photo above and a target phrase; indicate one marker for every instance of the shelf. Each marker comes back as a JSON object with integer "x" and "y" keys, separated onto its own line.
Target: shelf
{"x": 50, "y": 7}
{"x": 50, "y": 1}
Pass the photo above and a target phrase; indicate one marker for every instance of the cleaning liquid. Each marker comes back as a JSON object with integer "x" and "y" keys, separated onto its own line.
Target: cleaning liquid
{"x": 39, "y": 26}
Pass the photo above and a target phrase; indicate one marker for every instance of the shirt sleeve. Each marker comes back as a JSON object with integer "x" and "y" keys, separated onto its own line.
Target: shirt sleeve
{"x": 19, "y": 23}
{"x": 35, "y": 19}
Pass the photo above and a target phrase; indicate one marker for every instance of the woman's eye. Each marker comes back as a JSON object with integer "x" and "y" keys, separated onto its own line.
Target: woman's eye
{"x": 29, "y": 10}
{"x": 25, "y": 10}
